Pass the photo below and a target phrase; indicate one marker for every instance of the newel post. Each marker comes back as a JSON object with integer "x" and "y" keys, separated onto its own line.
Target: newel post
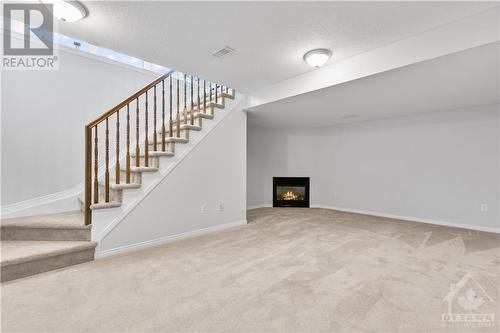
{"x": 88, "y": 175}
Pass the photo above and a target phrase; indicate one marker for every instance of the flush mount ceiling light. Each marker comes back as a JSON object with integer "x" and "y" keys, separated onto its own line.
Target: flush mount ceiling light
{"x": 67, "y": 10}
{"x": 318, "y": 57}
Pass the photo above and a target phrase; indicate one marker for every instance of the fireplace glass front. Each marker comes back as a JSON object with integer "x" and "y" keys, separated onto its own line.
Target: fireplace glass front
{"x": 291, "y": 192}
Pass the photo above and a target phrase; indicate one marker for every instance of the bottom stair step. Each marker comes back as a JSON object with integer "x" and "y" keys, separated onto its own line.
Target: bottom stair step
{"x": 25, "y": 258}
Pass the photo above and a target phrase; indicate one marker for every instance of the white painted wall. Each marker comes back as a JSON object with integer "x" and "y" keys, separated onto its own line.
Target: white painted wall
{"x": 213, "y": 172}
{"x": 437, "y": 166}
{"x": 292, "y": 152}
{"x": 43, "y": 117}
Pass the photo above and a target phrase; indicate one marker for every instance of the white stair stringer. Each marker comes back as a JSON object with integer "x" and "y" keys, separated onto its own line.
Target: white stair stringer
{"x": 104, "y": 220}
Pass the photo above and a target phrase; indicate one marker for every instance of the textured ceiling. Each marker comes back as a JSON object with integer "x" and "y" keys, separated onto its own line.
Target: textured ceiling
{"x": 269, "y": 37}
{"x": 464, "y": 79}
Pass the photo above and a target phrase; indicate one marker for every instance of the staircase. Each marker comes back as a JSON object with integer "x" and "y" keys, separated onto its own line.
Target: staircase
{"x": 146, "y": 127}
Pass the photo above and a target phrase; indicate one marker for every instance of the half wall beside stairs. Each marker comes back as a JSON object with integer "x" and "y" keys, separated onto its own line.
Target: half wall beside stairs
{"x": 205, "y": 191}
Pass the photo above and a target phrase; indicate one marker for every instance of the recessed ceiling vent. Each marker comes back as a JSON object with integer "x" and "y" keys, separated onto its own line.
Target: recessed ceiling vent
{"x": 222, "y": 52}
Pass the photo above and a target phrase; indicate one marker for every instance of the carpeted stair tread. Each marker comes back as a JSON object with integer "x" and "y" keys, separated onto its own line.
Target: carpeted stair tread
{"x": 66, "y": 220}
{"x": 16, "y": 252}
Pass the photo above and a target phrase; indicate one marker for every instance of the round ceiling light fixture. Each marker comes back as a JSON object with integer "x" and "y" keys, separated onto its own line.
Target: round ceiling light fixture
{"x": 67, "y": 10}
{"x": 317, "y": 57}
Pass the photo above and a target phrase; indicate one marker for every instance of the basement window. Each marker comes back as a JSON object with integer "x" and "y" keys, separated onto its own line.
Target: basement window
{"x": 108, "y": 54}
{"x": 18, "y": 32}
{"x": 17, "y": 29}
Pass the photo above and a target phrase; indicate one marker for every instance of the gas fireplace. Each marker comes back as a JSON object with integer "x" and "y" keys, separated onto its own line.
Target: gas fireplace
{"x": 290, "y": 191}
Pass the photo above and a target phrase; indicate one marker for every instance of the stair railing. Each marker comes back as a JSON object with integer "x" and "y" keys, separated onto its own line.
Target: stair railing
{"x": 141, "y": 100}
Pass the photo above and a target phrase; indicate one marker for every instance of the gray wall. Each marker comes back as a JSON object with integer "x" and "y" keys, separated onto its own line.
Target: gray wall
{"x": 43, "y": 119}
{"x": 440, "y": 166}
{"x": 212, "y": 174}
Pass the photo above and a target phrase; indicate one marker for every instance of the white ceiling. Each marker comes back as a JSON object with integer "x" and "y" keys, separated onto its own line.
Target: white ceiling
{"x": 464, "y": 79}
{"x": 269, "y": 37}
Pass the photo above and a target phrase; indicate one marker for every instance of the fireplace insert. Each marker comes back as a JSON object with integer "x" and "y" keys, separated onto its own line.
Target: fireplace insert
{"x": 290, "y": 191}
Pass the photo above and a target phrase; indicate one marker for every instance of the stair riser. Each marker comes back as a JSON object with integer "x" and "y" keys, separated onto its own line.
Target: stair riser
{"x": 197, "y": 121}
{"x": 17, "y": 271}
{"x": 153, "y": 161}
{"x": 221, "y": 100}
{"x": 134, "y": 177}
{"x": 45, "y": 234}
{"x": 220, "y": 104}
{"x": 183, "y": 134}
{"x": 151, "y": 145}
{"x": 228, "y": 95}
{"x": 209, "y": 110}
{"x": 169, "y": 147}
{"x": 114, "y": 195}
{"x": 159, "y": 145}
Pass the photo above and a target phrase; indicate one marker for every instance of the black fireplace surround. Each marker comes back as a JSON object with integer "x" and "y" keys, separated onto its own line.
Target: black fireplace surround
{"x": 290, "y": 191}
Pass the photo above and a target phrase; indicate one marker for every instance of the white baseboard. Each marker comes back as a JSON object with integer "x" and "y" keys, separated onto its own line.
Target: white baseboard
{"x": 259, "y": 206}
{"x": 412, "y": 219}
{"x": 165, "y": 240}
{"x": 52, "y": 203}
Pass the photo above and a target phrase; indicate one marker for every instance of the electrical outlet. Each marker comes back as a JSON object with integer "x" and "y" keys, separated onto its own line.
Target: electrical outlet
{"x": 220, "y": 207}
{"x": 203, "y": 209}
{"x": 484, "y": 208}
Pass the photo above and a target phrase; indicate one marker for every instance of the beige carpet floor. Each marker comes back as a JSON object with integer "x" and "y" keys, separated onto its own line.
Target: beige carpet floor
{"x": 288, "y": 270}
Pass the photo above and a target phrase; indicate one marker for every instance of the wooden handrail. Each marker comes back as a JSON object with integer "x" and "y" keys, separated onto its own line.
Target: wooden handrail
{"x": 129, "y": 99}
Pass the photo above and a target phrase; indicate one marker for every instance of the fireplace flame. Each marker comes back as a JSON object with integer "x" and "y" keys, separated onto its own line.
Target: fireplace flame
{"x": 289, "y": 196}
